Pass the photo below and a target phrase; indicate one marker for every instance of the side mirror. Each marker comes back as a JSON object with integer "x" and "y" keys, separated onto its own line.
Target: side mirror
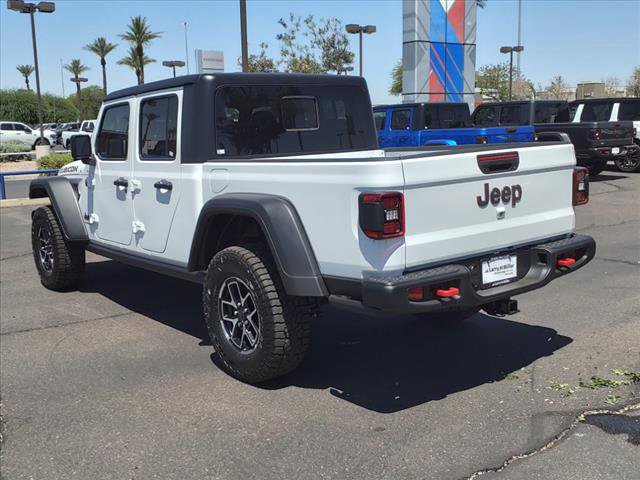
{"x": 81, "y": 149}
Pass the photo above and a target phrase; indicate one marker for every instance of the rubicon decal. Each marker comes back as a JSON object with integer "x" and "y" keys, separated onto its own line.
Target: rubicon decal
{"x": 508, "y": 194}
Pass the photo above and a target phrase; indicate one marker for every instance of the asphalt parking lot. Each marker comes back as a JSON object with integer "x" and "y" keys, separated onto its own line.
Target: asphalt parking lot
{"x": 118, "y": 380}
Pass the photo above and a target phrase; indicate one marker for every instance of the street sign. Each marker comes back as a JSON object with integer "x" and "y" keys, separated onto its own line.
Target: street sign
{"x": 209, "y": 61}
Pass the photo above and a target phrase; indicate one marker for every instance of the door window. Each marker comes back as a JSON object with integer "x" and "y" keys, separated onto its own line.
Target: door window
{"x": 485, "y": 116}
{"x": 430, "y": 117}
{"x": 380, "y": 119}
{"x": 6, "y": 126}
{"x": 113, "y": 137}
{"x": 158, "y": 128}
{"x": 510, "y": 115}
{"x": 401, "y": 119}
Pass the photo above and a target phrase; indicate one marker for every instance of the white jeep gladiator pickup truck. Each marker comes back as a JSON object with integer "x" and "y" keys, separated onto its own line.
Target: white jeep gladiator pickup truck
{"x": 271, "y": 191}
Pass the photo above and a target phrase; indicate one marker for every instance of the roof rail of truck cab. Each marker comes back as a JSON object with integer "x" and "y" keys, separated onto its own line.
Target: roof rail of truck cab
{"x": 239, "y": 79}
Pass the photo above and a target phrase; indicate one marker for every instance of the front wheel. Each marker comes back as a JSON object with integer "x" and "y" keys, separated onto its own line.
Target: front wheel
{"x": 628, "y": 164}
{"x": 258, "y": 331}
{"x": 59, "y": 264}
{"x": 40, "y": 141}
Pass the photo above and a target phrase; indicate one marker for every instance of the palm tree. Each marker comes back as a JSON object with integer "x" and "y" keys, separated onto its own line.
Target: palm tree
{"x": 26, "y": 70}
{"x": 76, "y": 68}
{"x": 101, "y": 48}
{"x": 133, "y": 61}
{"x": 139, "y": 36}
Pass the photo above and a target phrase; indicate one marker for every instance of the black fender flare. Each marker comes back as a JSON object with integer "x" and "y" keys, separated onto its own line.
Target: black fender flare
{"x": 283, "y": 231}
{"x": 65, "y": 205}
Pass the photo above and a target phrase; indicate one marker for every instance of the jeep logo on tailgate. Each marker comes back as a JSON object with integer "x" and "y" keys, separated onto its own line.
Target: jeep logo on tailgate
{"x": 508, "y": 194}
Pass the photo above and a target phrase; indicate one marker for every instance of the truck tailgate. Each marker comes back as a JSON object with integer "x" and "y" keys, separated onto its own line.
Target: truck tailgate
{"x": 450, "y": 212}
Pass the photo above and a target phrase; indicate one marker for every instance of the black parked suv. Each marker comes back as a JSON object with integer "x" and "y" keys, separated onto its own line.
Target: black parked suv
{"x": 595, "y": 142}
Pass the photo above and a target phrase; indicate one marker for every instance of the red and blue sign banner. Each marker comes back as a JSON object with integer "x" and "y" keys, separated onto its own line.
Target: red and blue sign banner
{"x": 439, "y": 50}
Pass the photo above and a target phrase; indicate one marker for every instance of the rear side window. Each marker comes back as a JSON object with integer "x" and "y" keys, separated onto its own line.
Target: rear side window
{"x": 454, "y": 116}
{"x": 380, "y": 119}
{"x": 113, "y": 138}
{"x": 629, "y": 110}
{"x": 6, "y": 126}
{"x": 485, "y": 116}
{"x": 510, "y": 115}
{"x": 430, "y": 116}
{"x": 158, "y": 128}
{"x": 596, "y": 112}
{"x": 292, "y": 119}
{"x": 401, "y": 119}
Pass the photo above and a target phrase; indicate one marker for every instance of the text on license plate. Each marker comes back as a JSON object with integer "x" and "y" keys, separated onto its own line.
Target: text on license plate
{"x": 501, "y": 268}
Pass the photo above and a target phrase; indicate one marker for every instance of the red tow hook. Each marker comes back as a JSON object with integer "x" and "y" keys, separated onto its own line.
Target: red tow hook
{"x": 448, "y": 294}
{"x": 566, "y": 262}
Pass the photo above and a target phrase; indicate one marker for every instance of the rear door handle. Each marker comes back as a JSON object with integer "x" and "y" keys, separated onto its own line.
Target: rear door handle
{"x": 404, "y": 139}
{"x": 163, "y": 185}
{"x": 121, "y": 182}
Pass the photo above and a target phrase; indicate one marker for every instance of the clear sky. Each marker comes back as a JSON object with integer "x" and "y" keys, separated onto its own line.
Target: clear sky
{"x": 579, "y": 39}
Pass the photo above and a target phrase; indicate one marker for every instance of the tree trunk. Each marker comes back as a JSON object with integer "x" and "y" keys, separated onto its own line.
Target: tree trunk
{"x": 103, "y": 62}
{"x": 78, "y": 100}
{"x": 26, "y": 80}
{"x": 140, "y": 52}
{"x": 138, "y": 76}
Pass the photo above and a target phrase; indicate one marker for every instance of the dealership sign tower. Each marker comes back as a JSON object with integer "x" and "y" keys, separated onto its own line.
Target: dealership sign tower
{"x": 439, "y": 51}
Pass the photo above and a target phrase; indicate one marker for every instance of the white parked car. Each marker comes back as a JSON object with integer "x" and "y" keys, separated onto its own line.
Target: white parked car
{"x": 270, "y": 191}
{"x": 17, "y": 132}
{"x": 86, "y": 128}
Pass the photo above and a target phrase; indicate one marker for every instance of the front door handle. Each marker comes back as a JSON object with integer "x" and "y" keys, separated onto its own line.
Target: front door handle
{"x": 121, "y": 182}
{"x": 163, "y": 185}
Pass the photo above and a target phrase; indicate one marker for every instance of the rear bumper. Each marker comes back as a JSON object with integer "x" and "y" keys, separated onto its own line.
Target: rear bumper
{"x": 391, "y": 294}
{"x": 606, "y": 153}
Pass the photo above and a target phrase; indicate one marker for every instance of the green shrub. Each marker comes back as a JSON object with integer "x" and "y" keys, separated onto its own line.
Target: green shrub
{"x": 54, "y": 160}
{"x": 22, "y": 106}
{"x": 11, "y": 147}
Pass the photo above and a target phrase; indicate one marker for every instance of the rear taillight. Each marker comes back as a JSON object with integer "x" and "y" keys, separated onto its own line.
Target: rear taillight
{"x": 482, "y": 139}
{"x": 382, "y": 214}
{"x": 595, "y": 134}
{"x": 580, "y": 185}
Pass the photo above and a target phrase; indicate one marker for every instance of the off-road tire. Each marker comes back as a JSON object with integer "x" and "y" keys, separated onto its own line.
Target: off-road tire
{"x": 40, "y": 141}
{"x": 67, "y": 260}
{"x": 284, "y": 321}
{"x": 449, "y": 318}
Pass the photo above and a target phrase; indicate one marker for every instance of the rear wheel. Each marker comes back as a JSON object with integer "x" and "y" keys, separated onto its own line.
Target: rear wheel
{"x": 628, "y": 163}
{"x": 59, "y": 264}
{"x": 258, "y": 331}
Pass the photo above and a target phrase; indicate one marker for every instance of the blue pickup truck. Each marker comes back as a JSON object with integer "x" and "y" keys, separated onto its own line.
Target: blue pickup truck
{"x": 419, "y": 124}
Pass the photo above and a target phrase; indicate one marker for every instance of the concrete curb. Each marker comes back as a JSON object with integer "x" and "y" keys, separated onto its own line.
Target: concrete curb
{"x": 23, "y": 202}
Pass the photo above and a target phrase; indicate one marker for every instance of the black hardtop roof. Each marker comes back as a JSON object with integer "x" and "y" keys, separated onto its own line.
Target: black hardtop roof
{"x": 519, "y": 102}
{"x": 417, "y": 104}
{"x": 239, "y": 79}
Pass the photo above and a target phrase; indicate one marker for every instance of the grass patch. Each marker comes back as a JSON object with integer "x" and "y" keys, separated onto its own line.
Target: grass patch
{"x": 612, "y": 399}
{"x": 556, "y": 385}
{"x": 14, "y": 147}
{"x": 634, "y": 377}
{"x": 599, "y": 382}
{"x": 54, "y": 160}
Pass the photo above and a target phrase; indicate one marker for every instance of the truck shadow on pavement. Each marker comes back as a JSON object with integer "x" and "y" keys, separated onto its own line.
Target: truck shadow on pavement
{"x": 381, "y": 363}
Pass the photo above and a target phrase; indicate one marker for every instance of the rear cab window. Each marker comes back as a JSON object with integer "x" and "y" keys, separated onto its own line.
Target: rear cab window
{"x": 291, "y": 119}
{"x": 552, "y": 113}
{"x": 596, "y": 112}
{"x": 112, "y": 140}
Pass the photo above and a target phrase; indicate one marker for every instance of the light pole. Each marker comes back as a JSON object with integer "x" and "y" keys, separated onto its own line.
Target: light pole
{"x": 510, "y": 51}
{"x": 360, "y": 29}
{"x": 186, "y": 47}
{"x": 78, "y": 81}
{"x": 31, "y": 8}
{"x": 243, "y": 35}
{"x": 173, "y": 64}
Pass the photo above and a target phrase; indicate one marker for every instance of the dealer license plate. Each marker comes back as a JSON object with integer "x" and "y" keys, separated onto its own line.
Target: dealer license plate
{"x": 499, "y": 269}
{"x": 615, "y": 150}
